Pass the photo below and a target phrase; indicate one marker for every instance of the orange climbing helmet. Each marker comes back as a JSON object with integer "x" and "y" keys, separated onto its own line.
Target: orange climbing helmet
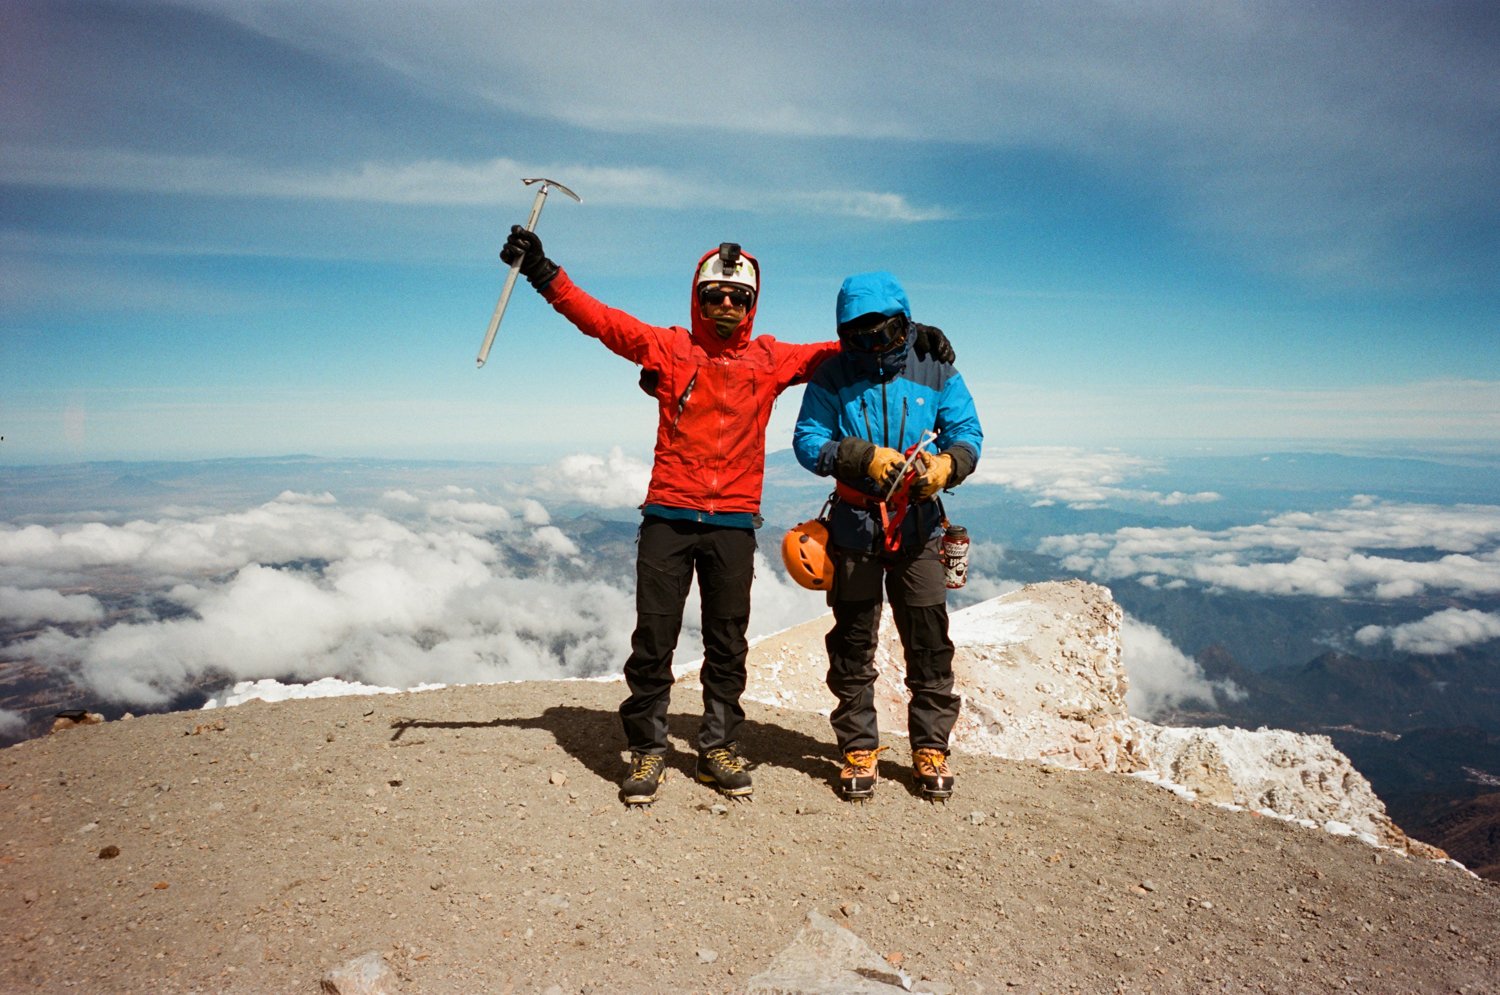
{"x": 804, "y": 550}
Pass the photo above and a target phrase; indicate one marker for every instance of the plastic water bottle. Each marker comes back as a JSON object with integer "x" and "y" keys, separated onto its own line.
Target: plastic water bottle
{"x": 955, "y": 555}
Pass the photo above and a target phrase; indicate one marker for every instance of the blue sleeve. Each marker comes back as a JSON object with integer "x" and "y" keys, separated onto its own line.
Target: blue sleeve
{"x": 815, "y": 439}
{"x": 958, "y": 423}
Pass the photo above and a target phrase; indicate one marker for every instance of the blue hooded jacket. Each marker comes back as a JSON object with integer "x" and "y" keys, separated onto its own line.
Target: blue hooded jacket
{"x": 888, "y": 399}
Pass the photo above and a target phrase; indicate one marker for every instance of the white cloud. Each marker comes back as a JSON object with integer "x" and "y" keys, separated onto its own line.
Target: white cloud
{"x": 1161, "y": 675}
{"x": 1077, "y": 477}
{"x": 12, "y": 724}
{"x": 27, "y": 607}
{"x": 302, "y": 586}
{"x": 553, "y": 540}
{"x": 1438, "y": 633}
{"x": 534, "y": 512}
{"x": 613, "y": 481}
{"x": 307, "y": 588}
{"x": 472, "y": 512}
{"x": 430, "y": 182}
{"x": 400, "y": 497}
{"x": 1254, "y": 138}
{"x": 1322, "y": 554}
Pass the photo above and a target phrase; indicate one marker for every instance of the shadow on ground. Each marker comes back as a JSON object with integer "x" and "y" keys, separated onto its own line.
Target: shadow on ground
{"x": 592, "y": 736}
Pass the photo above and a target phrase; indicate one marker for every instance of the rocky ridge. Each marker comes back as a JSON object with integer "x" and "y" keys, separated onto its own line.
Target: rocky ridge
{"x": 1042, "y": 677}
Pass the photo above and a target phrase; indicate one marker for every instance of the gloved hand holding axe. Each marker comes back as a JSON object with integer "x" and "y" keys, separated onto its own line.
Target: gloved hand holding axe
{"x": 906, "y": 475}
{"x": 523, "y": 253}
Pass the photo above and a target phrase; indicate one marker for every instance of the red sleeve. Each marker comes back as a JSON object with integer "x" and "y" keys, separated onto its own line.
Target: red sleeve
{"x": 623, "y": 334}
{"x": 797, "y": 363}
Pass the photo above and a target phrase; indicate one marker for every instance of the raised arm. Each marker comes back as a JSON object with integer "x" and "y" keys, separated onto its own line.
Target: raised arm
{"x": 622, "y": 333}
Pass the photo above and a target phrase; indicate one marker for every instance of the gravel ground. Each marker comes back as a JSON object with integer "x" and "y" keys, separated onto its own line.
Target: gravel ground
{"x": 473, "y": 836}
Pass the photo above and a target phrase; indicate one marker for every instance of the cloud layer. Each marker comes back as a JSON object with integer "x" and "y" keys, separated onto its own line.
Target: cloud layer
{"x": 1253, "y": 140}
{"x": 1078, "y": 478}
{"x": 1385, "y": 550}
{"x": 1163, "y": 677}
{"x": 428, "y": 183}
{"x": 442, "y": 586}
{"x": 1441, "y": 632}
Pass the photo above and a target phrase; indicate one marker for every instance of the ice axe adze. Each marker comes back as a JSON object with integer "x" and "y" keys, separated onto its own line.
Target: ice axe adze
{"x": 515, "y": 267}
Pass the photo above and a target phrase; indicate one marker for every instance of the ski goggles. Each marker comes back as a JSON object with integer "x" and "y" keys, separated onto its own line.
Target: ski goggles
{"x": 713, "y": 293}
{"x": 875, "y": 333}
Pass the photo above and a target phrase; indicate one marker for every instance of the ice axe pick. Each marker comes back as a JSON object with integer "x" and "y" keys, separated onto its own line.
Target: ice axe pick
{"x": 515, "y": 267}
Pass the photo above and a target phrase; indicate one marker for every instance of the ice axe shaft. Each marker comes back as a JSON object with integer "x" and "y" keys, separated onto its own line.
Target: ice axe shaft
{"x": 515, "y": 267}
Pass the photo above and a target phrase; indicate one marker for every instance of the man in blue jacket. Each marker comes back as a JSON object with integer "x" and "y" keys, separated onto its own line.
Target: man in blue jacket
{"x": 861, "y": 412}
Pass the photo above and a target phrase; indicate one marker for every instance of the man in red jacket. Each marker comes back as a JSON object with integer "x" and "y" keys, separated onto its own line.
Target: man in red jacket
{"x": 714, "y": 386}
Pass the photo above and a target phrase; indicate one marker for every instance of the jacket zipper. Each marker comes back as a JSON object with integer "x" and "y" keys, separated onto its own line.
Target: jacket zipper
{"x": 723, "y": 395}
{"x": 885, "y": 418}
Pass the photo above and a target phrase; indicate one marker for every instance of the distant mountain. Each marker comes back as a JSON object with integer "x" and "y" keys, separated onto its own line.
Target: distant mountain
{"x": 1440, "y": 785}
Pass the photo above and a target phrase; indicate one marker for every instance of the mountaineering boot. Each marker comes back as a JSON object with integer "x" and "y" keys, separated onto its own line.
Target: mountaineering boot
{"x": 857, "y": 779}
{"x": 930, "y": 769}
{"x": 639, "y": 786}
{"x": 725, "y": 769}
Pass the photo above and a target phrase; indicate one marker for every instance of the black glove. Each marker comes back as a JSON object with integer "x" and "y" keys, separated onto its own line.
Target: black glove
{"x": 931, "y": 341}
{"x": 649, "y": 380}
{"x": 527, "y": 247}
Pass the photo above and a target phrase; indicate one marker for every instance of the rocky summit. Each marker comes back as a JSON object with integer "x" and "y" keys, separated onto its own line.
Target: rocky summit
{"x": 471, "y": 839}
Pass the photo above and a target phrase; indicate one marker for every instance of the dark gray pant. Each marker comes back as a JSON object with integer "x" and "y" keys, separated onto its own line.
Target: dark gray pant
{"x": 919, "y": 604}
{"x": 668, "y": 555}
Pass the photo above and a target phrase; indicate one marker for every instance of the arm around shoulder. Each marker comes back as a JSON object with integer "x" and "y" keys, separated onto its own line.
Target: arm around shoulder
{"x": 797, "y": 363}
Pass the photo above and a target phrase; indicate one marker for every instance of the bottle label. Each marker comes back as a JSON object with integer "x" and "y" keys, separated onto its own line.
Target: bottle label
{"x": 955, "y": 555}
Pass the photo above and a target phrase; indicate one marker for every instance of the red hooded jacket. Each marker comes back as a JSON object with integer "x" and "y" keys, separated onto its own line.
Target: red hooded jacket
{"x": 713, "y": 395}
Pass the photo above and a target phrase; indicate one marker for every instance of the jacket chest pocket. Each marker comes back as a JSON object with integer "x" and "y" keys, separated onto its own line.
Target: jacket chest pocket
{"x": 715, "y": 400}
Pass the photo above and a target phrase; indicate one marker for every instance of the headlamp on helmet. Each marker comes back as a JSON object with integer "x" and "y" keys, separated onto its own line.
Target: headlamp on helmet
{"x": 729, "y": 266}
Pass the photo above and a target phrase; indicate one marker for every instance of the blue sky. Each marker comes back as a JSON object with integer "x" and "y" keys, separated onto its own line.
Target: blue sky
{"x": 232, "y": 228}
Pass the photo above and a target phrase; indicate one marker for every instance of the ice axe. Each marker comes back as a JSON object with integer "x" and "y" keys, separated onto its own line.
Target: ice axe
{"x": 515, "y": 267}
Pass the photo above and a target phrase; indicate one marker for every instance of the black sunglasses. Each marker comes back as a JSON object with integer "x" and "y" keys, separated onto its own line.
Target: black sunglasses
{"x": 713, "y": 293}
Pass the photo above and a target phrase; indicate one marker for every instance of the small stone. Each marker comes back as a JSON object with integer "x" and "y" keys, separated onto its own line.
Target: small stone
{"x": 707, "y": 956}
{"x": 1148, "y": 885}
{"x": 720, "y": 809}
{"x": 976, "y": 818}
{"x": 850, "y": 909}
{"x": 894, "y": 898}
{"x": 558, "y": 778}
{"x": 895, "y": 958}
{"x": 1206, "y": 905}
{"x": 109, "y": 852}
{"x": 367, "y": 975}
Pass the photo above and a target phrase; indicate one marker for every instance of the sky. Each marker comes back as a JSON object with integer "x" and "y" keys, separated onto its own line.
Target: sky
{"x": 235, "y": 228}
